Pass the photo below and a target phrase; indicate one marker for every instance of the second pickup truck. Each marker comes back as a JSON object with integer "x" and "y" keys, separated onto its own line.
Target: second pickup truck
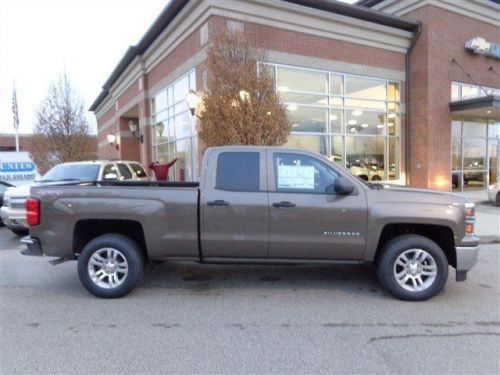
{"x": 255, "y": 205}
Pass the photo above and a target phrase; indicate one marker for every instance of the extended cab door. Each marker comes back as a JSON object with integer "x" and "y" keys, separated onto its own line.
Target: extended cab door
{"x": 306, "y": 222}
{"x": 234, "y": 204}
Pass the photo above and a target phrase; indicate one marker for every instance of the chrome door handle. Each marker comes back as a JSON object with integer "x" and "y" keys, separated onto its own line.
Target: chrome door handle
{"x": 218, "y": 202}
{"x": 284, "y": 204}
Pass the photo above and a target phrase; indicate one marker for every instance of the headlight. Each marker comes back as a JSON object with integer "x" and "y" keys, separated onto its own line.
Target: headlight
{"x": 470, "y": 217}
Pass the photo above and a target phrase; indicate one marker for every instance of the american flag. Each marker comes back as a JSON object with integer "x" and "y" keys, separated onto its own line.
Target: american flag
{"x": 14, "y": 109}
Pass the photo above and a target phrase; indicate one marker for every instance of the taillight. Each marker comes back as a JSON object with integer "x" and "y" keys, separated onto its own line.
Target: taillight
{"x": 32, "y": 211}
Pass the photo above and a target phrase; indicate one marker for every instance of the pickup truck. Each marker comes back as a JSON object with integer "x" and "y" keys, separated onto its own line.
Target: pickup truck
{"x": 255, "y": 205}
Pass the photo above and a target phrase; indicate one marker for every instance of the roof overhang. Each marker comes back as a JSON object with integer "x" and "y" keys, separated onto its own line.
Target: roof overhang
{"x": 485, "y": 107}
{"x": 174, "y": 7}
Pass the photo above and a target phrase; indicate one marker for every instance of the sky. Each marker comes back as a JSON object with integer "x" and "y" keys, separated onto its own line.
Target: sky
{"x": 39, "y": 39}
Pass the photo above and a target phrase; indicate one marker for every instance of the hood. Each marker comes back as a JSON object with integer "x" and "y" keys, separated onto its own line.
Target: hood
{"x": 391, "y": 193}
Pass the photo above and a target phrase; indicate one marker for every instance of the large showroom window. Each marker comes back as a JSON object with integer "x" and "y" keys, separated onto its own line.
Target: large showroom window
{"x": 475, "y": 143}
{"x": 352, "y": 120}
{"x": 174, "y": 132}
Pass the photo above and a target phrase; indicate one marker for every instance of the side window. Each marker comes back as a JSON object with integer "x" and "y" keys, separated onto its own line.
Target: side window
{"x": 238, "y": 171}
{"x": 138, "y": 170}
{"x": 302, "y": 173}
{"x": 109, "y": 173}
{"x": 124, "y": 171}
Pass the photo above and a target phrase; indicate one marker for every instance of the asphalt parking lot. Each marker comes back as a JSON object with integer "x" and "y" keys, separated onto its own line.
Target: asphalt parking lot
{"x": 190, "y": 318}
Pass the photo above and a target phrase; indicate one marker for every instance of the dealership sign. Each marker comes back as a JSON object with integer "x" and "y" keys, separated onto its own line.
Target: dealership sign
{"x": 481, "y": 46}
{"x": 17, "y": 168}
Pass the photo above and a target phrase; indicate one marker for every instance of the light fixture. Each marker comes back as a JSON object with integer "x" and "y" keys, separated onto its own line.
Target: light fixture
{"x": 133, "y": 126}
{"x": 295, "y": 125}
{"x": 112, "y": 141}
{"x": 333, "y": 117}
{"x": 352, "y": 122}
{"x": 160, "y": 126}
{"x": 488, "y": 112}
{"x": 193, "y": 100}
{"x": 292, "y": 107}
{"x": 380, "y": 126}
{"x": 364, "y": 125}
{"x": 283, "y": 88}
{"x": 353, "y": 130}
{"x": 391, "y": 124}
{"x": 322, "y": 102}
{"x": 244, "y": 95}
{"x": 357, "y": 112}
{"x": 268, "y": 113}
{"x": 391, "y": 115}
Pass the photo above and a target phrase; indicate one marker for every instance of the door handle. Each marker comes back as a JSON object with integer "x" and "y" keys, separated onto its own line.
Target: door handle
{"x": 218, "y": 202}
{"x": 284, "y": 204}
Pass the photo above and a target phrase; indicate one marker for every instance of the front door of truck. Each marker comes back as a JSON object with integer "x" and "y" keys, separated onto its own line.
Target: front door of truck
{"x": 234, "y": 205}
{"x": 307, "y": 222}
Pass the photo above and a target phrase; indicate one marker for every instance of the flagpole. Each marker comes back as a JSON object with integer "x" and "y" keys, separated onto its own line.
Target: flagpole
{"x": 16, "y": 115}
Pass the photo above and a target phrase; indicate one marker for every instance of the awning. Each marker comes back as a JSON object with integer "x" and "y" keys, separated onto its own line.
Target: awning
{"x": 485, "y": 107}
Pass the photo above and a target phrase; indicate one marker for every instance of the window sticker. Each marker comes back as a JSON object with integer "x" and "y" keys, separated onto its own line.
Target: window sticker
{"x": 295, "y": 177}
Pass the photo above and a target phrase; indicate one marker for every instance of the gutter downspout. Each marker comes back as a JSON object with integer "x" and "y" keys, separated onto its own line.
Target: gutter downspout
{"x": 407, "y": 97}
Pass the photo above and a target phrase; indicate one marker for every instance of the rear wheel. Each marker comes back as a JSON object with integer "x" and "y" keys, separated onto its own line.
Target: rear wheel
{"x": 412, "y": 268}
{"x": 110, "y": 266}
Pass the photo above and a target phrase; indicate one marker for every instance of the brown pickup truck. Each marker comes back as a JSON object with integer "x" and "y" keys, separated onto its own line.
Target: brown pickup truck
{"x": 255, "y": 205}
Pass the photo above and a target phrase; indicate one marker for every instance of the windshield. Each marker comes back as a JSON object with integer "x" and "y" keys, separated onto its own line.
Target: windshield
{"x": 68, "y": 172}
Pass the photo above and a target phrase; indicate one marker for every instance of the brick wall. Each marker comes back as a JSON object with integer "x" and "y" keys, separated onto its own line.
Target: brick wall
{"x": 9, "y": 141}
{"x": 443, "y": 37}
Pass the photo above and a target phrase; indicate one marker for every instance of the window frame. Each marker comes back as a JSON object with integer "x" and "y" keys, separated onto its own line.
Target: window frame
{"x": 274, "y": 175}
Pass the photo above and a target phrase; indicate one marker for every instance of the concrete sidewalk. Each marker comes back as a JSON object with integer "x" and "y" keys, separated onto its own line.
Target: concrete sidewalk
{"x": 487, "y": 217}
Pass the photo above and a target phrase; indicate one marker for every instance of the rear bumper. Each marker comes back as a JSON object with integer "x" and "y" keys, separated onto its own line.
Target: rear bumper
{"x": 13, "y": 218}
{"x": 33, "y": 246}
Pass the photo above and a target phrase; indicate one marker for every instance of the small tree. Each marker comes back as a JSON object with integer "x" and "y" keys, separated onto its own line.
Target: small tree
{"x": 241, "y": 105}
{"x": 61, "y": 132}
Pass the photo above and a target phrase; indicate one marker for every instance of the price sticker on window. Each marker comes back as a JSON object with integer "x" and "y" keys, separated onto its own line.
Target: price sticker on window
{"x": 295, "y": 177}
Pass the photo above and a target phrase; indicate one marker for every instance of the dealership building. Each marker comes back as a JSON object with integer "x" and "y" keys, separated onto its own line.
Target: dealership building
{"x": 406, "y": 91}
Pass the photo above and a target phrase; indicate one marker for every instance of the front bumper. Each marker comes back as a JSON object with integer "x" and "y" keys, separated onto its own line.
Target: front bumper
{"x": 13, "y": 218}
{"x": 466, "y": 257}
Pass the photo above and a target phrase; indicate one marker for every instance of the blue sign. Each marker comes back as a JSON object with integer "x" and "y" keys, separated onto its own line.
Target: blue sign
{"x": 17, "y": 167}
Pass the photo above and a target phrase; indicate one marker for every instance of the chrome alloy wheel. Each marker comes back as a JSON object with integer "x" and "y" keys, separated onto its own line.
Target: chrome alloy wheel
{"x": 107, "y": 268}
{"x": 415, "y": 270}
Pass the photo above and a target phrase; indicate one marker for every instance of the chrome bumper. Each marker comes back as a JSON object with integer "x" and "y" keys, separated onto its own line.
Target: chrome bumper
{"x": 14, "y": 218}
{"x": 466, "y": 257}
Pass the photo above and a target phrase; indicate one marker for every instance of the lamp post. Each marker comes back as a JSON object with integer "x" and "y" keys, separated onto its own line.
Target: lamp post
{"x": 193, "y": 100}
{"x": 112, "y": 141}
{"x": 133, "y": 126}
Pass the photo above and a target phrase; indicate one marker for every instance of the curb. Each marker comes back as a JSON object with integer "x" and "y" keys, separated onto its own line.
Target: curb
{"x": 485, "y": 240}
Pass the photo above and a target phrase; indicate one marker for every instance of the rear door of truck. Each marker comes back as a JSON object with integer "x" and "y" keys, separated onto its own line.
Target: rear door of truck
{"x": 234, "y": 204}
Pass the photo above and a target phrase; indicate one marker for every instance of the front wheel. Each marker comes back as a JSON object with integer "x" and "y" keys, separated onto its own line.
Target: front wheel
{"x": 110, "y": 266}
{"x": 412, "y": 268}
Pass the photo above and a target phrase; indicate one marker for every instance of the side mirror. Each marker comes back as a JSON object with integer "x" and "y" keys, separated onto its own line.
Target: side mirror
{"x": 111, "y": 176}
{"x": 342, "y": 186}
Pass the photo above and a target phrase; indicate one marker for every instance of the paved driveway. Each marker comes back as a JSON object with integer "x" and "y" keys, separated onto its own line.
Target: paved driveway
{"x": 240, "y": 319}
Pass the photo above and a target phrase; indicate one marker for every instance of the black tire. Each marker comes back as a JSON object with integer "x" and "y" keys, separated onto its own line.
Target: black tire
{"x": 128, "y": 249}
{"x": 376, "y": 178}
{"x": 394, "y": 249}
{"x": 20, "y": 232}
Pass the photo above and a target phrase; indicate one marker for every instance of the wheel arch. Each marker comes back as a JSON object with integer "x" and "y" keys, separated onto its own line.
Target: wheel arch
{"x": 440, "y": 234}
{"x": 88, "y": 229}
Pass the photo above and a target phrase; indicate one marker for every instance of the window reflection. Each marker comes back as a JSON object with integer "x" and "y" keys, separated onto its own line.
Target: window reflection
{"x": 360, "y": 87}
{"x": 301, "y": 80}
{"x": 308, "y": 119}
{"x": 365, "y": 157}
{"x": 174, "y": 134}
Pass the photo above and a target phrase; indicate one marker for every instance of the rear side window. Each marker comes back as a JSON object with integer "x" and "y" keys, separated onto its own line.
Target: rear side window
{"x": 138, "y": 170}
{"x": 109, "y": 173}
{"x": 238, "y": 171}
{"x": 124, "y": 171}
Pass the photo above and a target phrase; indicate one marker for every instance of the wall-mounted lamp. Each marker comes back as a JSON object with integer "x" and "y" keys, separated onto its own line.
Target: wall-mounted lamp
{"x": 133, "y": 126}
{"x": 112, "y": 141}
{"x": 193, "y": 100}
{"x": 160, "y": 126}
